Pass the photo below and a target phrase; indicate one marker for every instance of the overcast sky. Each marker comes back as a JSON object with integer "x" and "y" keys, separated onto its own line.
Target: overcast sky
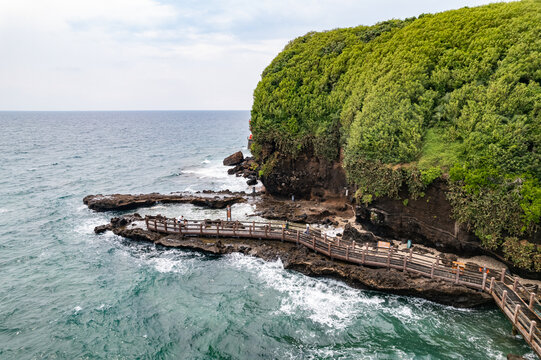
{"x": 162, "y": 55}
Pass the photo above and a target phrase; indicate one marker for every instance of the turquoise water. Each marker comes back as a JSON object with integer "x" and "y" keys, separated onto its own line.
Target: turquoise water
{"x": 66, "y": 293}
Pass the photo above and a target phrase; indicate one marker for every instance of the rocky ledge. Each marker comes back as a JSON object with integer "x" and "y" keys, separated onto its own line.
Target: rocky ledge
{"x": 208, "y": 199}
{"x": 299, "y": 258}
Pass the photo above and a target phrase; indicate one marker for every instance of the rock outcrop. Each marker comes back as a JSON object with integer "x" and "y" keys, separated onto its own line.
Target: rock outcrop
{"x": 299, "y": 258}
{"x": 304, "y": 176}
{"x": 119, "y": 202}
{"x": 234, "y": 159}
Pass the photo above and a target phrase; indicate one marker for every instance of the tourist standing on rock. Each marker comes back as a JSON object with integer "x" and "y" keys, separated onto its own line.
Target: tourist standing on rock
{"x": 307, "y": 231}
{"x": 228, "y": 212}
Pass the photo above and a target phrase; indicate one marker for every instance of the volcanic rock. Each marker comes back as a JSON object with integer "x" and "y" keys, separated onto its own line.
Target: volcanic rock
{"x": 234, "y": 159}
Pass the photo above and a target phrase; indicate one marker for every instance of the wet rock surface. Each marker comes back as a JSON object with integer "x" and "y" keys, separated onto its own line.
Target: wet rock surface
{"x": 118, "y": 202}
{"x": 300, "y": 258}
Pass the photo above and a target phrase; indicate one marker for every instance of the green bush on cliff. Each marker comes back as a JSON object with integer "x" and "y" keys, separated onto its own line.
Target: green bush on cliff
{"x": 455, "y": 93}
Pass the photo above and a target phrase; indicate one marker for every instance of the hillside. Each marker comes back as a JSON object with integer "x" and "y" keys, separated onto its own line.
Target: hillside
{"x": 454, "y": 96}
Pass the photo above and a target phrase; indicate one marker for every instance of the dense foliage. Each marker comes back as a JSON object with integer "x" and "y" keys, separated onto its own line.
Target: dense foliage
{"x": 455, "y": 94}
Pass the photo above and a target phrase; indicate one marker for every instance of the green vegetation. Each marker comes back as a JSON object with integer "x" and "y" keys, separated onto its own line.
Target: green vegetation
{"x": 456, "y": 93}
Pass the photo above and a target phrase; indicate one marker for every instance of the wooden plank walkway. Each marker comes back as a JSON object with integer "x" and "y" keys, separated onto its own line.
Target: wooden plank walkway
{"x": 518, "y": 303}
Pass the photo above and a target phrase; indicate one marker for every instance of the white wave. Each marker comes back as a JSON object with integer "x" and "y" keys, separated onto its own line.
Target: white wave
{"x": 216, "y": 173}
{"x": 2, "y": 210}
{"x": 327, "y": 302}
{"x": 165, "y": 265}
{"x": 77, "y": 308}
{"x": 206, "y": 161}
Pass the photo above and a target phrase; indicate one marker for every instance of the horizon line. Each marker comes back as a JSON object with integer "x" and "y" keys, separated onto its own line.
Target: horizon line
{"x": 124, "y": 110}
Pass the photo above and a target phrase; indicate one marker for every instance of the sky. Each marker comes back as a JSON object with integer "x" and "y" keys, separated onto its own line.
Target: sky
{"x": 163, "y": 54}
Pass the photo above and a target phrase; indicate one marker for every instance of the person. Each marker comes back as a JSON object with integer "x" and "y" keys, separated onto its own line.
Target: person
{"x": 181, "y": 219}
{"x": 287, "y": 225}
{"x": 307, "y": 231}
{"x": 292, "y": 197}
{"x": 228, "y": 212}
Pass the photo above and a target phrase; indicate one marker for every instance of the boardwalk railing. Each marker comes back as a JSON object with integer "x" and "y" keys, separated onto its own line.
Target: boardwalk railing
{"x": 519, "y": 304}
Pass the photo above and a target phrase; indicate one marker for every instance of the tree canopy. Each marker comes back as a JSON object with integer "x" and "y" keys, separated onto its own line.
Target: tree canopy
{"x": 454, "y": 95}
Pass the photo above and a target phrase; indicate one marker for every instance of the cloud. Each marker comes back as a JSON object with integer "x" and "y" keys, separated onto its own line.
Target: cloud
{"x": 150, "y": 54}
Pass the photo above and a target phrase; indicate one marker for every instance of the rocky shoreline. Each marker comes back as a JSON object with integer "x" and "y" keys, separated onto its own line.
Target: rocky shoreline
{"x": 301, "y": 259}
{"x": 206, "y": 199}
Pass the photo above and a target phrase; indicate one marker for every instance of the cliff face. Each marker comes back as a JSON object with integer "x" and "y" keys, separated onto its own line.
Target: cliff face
{"x": 305, "y": 176}
{"x": 426, "y": 220}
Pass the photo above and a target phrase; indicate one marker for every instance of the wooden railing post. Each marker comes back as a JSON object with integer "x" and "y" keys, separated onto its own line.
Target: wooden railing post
{"x": 504, "y": 295}
{"x": 532, "y": 327}
{"x": 389, "y": 257}
{"x": 298, "y": 236}
{"x": 146, "y": 222}
{"x": 165, "y": 225}
{"x": 329, "y": 250}
{"x": 201, "y": 229}
{"x": 502, "y": 279}
{"x": 432, "y": 270}
{"x": 515, "y": 284}
{"x": 532, "y": 299}
{"x": 411, "y": 253}
{"x": 405, "y": 263}
{"x": 457, "y": 274}
{"x": 155, "y": 225}
{"x": 283, "y": 233}
{"x": 314, "y": 243}
{"x": 483, "y": 285}
{"x": 347, "y": 253}
{"x": 218, "y": 229}
{"x": 266, "y": 230}
{"x": 515, "y": 316}
{"x": 363, "y": 256}
{"x": 492, "y": 279}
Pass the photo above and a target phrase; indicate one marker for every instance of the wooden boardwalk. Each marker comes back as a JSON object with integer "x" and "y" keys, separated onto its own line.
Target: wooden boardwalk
{"x": 518, "y": 303}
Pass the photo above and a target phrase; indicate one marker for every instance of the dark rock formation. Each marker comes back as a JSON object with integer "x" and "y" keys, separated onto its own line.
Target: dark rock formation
{"x": 247, "y": 168}
{"x": 426, "y": 220}
{"x": 304, "y": 176}
{"x": 514, "y": 357}
{"x": 303, "y": 211}
{"x": 117, "y": 202}
{"x": 299, "y": 258}
{"x": 234, "y": 159}
{"x": 352, "y": 234}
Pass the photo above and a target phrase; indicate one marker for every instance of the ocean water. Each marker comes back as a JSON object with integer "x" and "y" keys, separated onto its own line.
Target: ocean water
{"x": 66, "y": 293}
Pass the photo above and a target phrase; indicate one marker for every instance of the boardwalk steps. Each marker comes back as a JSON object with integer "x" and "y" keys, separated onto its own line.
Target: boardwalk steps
{"x": 520, "y": 305}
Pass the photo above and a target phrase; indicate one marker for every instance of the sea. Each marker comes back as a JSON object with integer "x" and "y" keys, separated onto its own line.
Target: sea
{"x": 67, "y": 293}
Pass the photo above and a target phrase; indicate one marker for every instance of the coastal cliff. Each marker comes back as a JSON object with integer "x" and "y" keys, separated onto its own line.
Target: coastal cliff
{"x": 432, "y": 123}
